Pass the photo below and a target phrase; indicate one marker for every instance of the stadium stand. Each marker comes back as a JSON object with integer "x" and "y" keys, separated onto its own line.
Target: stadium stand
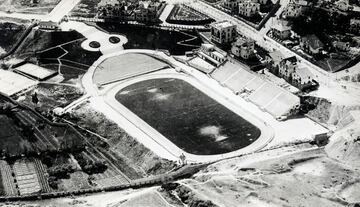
{"x": 266, "y": 95}
{"x": 12, "y": 83}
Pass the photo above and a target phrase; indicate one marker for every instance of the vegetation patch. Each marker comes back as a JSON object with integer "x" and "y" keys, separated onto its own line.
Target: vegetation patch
{"x": 182, "y": 14}
{"x": 152, "y": 38}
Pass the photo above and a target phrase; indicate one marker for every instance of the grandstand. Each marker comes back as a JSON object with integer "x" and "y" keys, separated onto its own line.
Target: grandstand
{"x": 269, "y": 97}
{"x": 12, "y": 83}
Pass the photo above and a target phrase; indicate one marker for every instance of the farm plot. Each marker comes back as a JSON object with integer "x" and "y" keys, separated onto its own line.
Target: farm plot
{"x": 7, "y": 185}
{"x": 26, "y": 177}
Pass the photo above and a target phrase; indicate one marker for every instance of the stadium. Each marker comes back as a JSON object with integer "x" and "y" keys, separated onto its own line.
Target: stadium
{"x": 174, "y": 109}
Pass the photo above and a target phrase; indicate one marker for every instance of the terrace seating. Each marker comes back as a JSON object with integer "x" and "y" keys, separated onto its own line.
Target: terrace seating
{"x": 267, "y": 96}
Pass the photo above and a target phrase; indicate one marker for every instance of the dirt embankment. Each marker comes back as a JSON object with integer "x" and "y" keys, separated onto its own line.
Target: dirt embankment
{"x": 323, "y": 111}
{"x": 143, "y": 160}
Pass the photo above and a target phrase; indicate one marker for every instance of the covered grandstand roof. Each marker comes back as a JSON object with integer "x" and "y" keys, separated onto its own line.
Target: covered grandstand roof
{"x": 269, "y": 97}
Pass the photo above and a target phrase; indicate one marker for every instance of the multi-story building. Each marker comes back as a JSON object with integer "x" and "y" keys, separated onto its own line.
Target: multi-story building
{"x": 281, "y": 31}
{"x": 249, "y": 8}
{"x": 48, "y": 25}
{"x": 287, "y": 67}
{"x": 231, "y": 5}
{"x": 223, "y": 32}
{"x": 148, "y": 11}
{"x": 243, "y": 48}
{"x": 302, "y": 77}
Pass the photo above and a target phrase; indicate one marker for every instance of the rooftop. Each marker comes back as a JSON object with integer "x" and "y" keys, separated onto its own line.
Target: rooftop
{"x": 313, "y": 41}
{"x": 305, "y": 73}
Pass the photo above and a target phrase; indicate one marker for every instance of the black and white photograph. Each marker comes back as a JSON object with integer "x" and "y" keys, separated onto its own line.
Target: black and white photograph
{"x": 179, "y": 103}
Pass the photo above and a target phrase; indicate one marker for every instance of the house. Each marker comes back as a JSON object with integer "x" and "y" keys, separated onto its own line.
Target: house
{"x": 293, "y": 11}
{"x": 231, "y": 5}
{"x": 343, "y": 46}
{"x": 355, "y": 26}
{"x": 343, "y": 5}
{"x": 300, "y": 2}
{"x": 243, "y": 48}
{"x": 311, "y": 44}
{"x": 148, "y": 11}
{"x": 273, "y": 61}
{"x": 223, "y": 32}
{"x": 48, "y": 25}
{"x": 287, "y": 67}
{"x": 248, "y": 8}
{"x": 281, "y": 31}
{"x": 212, "y": 54}
{"x": 302, "y": 77}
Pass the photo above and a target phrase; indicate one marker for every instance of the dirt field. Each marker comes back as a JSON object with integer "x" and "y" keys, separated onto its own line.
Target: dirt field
{"x": 9, "y": 34}
{"x": 26, "y": 6}
{"x": 53, "y": 95}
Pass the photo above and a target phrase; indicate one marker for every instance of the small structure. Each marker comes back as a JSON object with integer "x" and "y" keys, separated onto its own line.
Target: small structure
{"x": 273, "y": 61}
{"x": 223, "y": 32}
{"x": 311, "y": 44}
{"x": 48, "y": 25}
{"x": 243, "y": 48}
{"x": 248, "y": 8}
{"x": 281, "y": 31}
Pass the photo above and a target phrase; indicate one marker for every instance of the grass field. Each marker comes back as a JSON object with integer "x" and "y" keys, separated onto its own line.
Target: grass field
{"x": 188, "y": 117}
{"x": 125, "y": 66}
{"x": 26, "y": 6}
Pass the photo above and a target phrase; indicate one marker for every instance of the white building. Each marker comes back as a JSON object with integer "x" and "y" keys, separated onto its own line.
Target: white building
{"x": 281, "y": 31}
{"x": 243, "y": 48}
{"x": 223, "y": 32}
{"x": 230, "y": 4}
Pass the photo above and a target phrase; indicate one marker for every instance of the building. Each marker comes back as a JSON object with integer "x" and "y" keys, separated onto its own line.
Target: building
{"x": 343, "y": 46}
{"x": 343, "y": 5}
{"x": 243, "y": 48}
{"x": 311, "y": 44}
{"x": 231, "y": 5}
{"x": 355, "y": 26}
{"x": 287, "y": 67}
{"x": 48, "y": 25}
{"x": 148, "y": 11}
{"x": 273, "y": 61}
{"x": 212, "y": 54}
{"x": 248, "y": 9}
{"x": 302, "y": 77}
{"x": 293, "y": 11}
{"x": 281, "y": 31}
{"x": 223, "y": 32}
